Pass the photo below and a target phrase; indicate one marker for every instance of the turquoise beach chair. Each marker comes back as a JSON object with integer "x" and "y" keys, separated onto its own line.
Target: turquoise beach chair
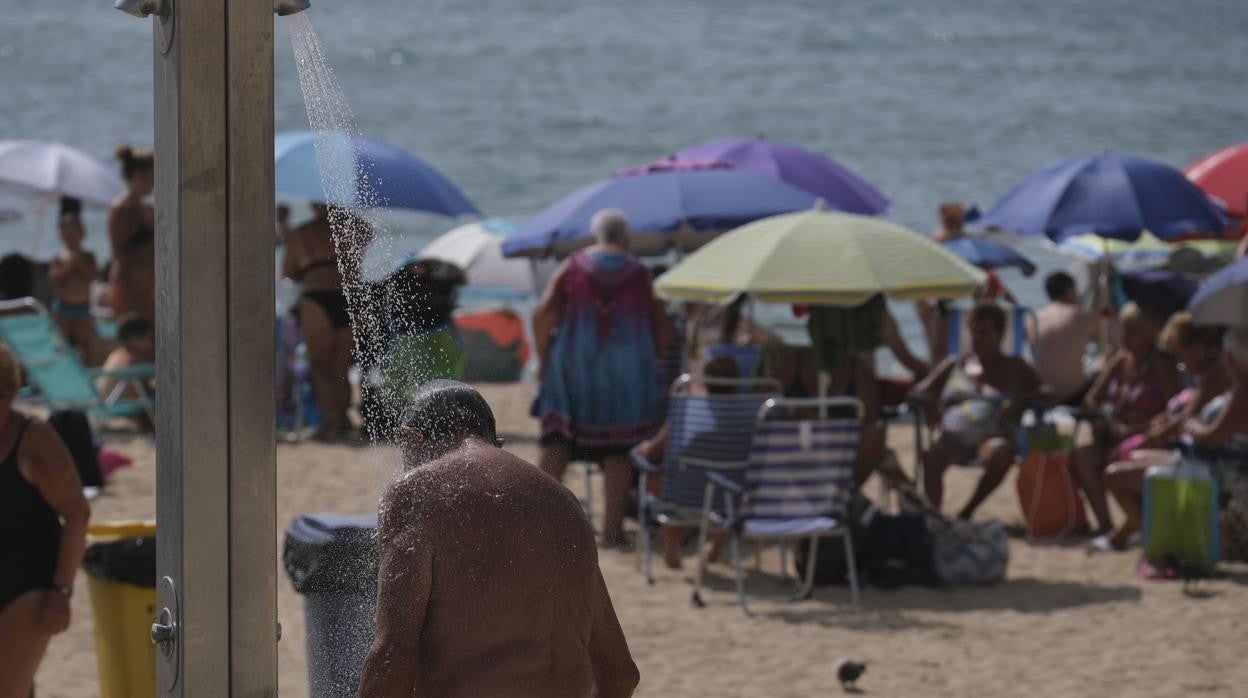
{"x": 706, "y": 432}
{"x": 796, "y": 488}
{"x": 56, "y": 372}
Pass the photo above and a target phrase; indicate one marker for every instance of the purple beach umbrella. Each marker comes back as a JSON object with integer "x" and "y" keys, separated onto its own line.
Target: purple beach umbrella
{"x": 821, "y": 176}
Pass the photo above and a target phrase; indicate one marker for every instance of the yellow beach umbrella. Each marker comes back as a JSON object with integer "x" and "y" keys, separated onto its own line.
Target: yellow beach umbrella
{"x": 820, "y": 258}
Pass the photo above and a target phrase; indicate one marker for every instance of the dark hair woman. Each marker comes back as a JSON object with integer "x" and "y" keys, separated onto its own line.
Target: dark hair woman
{"x": 132, "y": 236}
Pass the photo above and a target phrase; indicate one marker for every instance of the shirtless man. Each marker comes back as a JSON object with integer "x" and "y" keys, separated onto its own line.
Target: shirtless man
{"x": 1059, "y": 333}
{"x": 72, "y": 271}
{"x": 489, "y": 582}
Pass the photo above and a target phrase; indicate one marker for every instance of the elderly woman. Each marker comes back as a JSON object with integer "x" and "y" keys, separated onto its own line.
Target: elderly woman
{"x": 980, "y": 398}
{"x": 597, "y": 333}
{"x": 1131, "y": 390}
{"x": 43, "y": 521}
{"x": 1213, "y": 414}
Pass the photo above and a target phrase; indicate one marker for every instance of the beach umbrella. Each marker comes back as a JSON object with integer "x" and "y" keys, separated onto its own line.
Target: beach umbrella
{"x": 1115, "y": 196}
{"x": 1146, "y": 252}
{"x": 1160, "y": 291}
{"x": 679, "y": 208}
{"x": 46, "y": 169}
{"x": 366, "y": 174}
{"x": 820, "y": 258}
{"x": 836, "y": 184}
{"x": 1223, "y": 174}
{"x": 1222, "y": 299}
{"x": 477, "y": 249}
{"x": 987, "y": 254}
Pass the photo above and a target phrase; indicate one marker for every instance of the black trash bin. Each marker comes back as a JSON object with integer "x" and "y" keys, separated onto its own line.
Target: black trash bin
{"x": 332, "y": 561}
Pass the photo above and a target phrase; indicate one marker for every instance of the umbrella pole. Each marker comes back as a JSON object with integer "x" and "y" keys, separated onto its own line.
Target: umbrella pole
{"x": 41, "y": 222}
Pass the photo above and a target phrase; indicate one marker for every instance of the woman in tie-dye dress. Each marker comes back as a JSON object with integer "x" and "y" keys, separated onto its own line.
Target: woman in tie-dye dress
{"x": 598, "y": 331}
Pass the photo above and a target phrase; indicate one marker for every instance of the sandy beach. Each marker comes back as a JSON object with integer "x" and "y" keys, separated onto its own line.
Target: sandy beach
{"x": 1064, "y": 624}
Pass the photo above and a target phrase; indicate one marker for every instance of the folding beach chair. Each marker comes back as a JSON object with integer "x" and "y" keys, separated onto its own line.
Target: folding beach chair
{"x": 56, "y": 371}
{"x": 707, "y": 432}
{"x": 796, "y": 487}
{"x": 1015, "y": 331}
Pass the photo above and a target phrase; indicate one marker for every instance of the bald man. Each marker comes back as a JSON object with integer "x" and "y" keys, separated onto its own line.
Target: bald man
{"x": 489, "y": 582}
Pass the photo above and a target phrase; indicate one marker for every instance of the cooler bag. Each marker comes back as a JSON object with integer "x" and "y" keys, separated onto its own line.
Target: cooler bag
{"x": 1181, "y": 526}
{"x": 1046, "y": 488}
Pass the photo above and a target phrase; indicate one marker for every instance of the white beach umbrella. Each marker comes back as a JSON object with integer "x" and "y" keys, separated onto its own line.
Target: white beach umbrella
{"x": 45, "y": 169}
{"x": 477, "y": 249}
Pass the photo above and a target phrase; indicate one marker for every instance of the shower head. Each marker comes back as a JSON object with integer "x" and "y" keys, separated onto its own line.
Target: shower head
{"x": 289, "y": 7}
{"x": 142, "y": 8}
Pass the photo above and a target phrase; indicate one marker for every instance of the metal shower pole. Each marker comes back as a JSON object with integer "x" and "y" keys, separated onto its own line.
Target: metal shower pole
{"x": 215, "y": 453}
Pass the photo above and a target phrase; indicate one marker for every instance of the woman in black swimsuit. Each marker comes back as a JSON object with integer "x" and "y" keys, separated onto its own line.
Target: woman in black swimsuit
{"x": 43, "y": 523}
{"x": 313, "y": 260}
{"x": 132, "y": 235}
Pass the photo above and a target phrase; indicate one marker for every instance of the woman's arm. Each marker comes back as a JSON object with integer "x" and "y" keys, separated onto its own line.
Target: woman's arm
{"x": 548, "y": 313}
{"x": 661, "y": 327}
{"x": 290, "y": 254}
{"x": 45, "y": 463}
{"x": 1100, "y": 387}
{"x": 897, "y": 344}
{"x": 1231, "y": 421}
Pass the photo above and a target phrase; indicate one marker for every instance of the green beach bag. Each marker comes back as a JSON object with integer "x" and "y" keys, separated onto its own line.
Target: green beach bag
{"x": 1181, "y": 525}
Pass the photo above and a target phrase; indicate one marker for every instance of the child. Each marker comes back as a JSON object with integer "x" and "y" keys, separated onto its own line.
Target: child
{"x": 138, "y": 346}
{"x": 72, "y": 272}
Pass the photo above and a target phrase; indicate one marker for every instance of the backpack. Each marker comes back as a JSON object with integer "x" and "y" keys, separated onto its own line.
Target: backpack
{"x": 75, "y": 431}
{"x": 899, "y": 552}
{"x": 1047, "y": 494}
{"x": 831, "y": 567}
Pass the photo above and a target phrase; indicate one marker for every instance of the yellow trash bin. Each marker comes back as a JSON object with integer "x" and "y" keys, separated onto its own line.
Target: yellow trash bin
{"x": 121, "y": 577}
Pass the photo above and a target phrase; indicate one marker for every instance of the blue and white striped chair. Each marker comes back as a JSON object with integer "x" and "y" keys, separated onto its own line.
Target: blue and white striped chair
{"x": 796, "y": 488}
{"x": 706, "y": 433}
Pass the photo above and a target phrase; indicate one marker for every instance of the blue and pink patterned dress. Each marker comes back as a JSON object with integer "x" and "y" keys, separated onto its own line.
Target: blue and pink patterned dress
{"x": 599, "y": 393}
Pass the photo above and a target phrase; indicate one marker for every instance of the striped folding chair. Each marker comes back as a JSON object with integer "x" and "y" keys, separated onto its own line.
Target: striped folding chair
{"x": 796, "y": 487}
{"x": 707, "y": 433}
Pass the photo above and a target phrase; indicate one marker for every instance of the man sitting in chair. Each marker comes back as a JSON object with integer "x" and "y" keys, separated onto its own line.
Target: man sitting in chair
{"x": 979, "y": 398}
{"x": 489, "y": 581}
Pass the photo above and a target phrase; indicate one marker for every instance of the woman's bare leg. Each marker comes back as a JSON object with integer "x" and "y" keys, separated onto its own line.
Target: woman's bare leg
{"x": 1088, "y": 464}
{"x": 344, "y": 345}
{"x": 673, "y": 540}
{"x": 554, "y": 459}
{"x": 617, "y": 479}
{"x": 22, "y": 644}
{"x": 935, "y": 462}
{"x": 1125, "y": 481}
{"x": 318, "y": 335}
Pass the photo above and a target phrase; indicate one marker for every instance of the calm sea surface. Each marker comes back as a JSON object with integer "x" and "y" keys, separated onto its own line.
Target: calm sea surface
{"x": 521, "y": 101}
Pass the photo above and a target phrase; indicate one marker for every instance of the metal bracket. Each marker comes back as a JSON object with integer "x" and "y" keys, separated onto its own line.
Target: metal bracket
{"x": 165, "y": 633}
{"x": 164, "y": 26}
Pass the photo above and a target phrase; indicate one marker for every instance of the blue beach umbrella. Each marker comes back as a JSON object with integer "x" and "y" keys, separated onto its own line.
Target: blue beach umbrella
{"x": 1115, "y": 196}
{"x": 987, "y": 254}
{"x": 838, "y": 185}
{"x": 1222, "y": 299}
{"x": 369, "y": 174}
{"x": 678, "y": 208}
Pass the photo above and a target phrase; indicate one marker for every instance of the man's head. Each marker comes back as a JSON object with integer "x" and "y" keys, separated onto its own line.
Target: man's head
{"x": 282, "y": 214}
{"x": 440, "y": 415}
{"x": 987, "y": 324}
{"x": 722, "y": 368}
{"x": 1061, "y": 288}
{"x": 610, "y": 227}
{"x": 135, "y": 335}
{"x": 952, "y": 216}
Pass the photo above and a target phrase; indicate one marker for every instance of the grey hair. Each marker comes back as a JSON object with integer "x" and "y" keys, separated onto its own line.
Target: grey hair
{"x": 443, "y": 410}
{"x": 1235, "y": 344}
{"x": 610, "y": 226}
